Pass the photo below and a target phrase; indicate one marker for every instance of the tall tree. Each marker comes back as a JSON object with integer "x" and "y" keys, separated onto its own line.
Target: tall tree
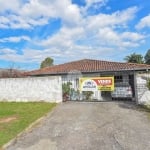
{"x": 147, "y": 57}
{"x": 46, "y": 62}
{"x": 135, "y": 58}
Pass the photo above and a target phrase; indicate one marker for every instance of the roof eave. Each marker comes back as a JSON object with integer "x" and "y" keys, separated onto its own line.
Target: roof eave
{"x": 96, "y": 71}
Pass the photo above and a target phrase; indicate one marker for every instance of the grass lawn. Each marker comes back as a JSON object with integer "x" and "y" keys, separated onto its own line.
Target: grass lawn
{"x": 15, "y": 117}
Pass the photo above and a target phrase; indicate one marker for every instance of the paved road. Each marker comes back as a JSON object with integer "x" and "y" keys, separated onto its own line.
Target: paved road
{"x": 89, "y": 126}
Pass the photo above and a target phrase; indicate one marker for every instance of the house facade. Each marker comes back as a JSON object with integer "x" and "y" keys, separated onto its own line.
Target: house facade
{"x": 136, "y": 75}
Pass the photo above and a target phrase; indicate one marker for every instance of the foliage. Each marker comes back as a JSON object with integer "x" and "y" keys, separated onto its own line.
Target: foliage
{"x": 66, "y": 87}
{"x": 88, "y": 94}
{"x": 26, "y": 113}
{"x": 147, "y": 57}
{"x": 148, "y": 84}
{"x": 66, "y": 90}
{"x": 135, "y": 58}
{"x": 11, "y": 73}
{"x": 46, "y": 62}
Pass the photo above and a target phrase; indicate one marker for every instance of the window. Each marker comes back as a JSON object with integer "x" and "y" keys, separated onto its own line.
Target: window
{"x": 118, "y": 78}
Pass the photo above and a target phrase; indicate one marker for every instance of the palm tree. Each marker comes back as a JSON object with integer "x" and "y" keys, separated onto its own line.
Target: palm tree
{"x": 134, "y": 58}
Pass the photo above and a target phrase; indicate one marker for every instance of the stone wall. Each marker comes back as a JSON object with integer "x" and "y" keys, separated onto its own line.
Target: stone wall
{"x": 47, "y": 89}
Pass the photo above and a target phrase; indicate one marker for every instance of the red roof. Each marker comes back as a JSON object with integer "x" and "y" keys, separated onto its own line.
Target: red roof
{"x": 89, "y": 65}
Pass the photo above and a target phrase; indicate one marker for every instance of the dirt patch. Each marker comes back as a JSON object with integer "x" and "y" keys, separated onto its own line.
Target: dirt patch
{"x": 8, "y": 119}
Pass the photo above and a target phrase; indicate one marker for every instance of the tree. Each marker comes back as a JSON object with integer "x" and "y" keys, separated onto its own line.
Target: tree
{"x": 135, "y": 58}
{"x": 46, "y": 62}
{"x": 12, "y": 72}
{"x": 147, "y": 57}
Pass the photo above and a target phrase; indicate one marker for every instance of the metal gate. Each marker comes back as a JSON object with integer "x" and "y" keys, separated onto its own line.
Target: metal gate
{"x": 122, "y": 80}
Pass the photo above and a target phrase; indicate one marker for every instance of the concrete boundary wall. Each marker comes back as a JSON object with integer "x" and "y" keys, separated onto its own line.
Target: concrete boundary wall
{"x": 143, "y": 93}
{"x": 47, "y": 89}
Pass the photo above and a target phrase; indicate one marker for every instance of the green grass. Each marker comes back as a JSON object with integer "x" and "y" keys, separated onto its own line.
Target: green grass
{"x": 145, "y": 108}
{"x": 25, "y": 114}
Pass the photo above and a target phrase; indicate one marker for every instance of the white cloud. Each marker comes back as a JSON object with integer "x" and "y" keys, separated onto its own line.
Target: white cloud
{"x": 6, "y": 51}
{"x": 36, "y": 8}
{"x": 95, "y": 3}
{"x": 13, "y": 56}
{"x": 14, "y": 39}
{"x": 36, "y": 56}
{"x": 71, "y": 15}
{"x": 95, "y": 34}
{"x": 4, "y": 20}
{"x": 15, "y": 22}
{"x": 144, "y": 22}
{"x": 80, "y": 36}
{"x": 132, "y": 36}
{"x": 109, "y": 37}
{"x": 92, "y": 5}
{"x": 65, "y": 38}
{"x": 116, "y": 19}
{"x": 12, "y": 5}
{"x": 100, "y": 28}
{"x": 37, "y": 12}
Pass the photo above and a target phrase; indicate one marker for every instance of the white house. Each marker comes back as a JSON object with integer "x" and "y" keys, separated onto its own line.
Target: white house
{"x": 122, "y": 72}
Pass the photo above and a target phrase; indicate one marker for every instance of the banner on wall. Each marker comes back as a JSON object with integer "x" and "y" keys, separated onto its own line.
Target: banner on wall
{"x": 96, "y": 83}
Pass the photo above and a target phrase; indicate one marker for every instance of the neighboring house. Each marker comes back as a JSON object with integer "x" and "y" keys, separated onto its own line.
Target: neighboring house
{"x": 11, "y": 73}
{"x": 72, "y": 71}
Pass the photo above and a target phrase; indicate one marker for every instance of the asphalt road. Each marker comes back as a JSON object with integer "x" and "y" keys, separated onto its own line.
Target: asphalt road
{"x": 89, "y": 126}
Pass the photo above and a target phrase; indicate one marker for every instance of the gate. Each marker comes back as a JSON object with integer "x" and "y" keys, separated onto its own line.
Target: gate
{"x": 71, "y": 91}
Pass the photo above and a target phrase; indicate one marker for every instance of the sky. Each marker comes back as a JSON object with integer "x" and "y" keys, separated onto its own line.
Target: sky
{"x": 68, "y": 30}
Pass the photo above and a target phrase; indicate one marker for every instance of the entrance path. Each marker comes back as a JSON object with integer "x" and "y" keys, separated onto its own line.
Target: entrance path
{"x": 90, "y": 126}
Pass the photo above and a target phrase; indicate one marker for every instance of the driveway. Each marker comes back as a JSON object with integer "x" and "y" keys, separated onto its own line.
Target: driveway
{"x": 89, "y": 126}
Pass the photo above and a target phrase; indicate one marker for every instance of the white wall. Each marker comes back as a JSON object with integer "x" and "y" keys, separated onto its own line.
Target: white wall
{"x": 143, "y": 93}
{"x": 48, "y": 89}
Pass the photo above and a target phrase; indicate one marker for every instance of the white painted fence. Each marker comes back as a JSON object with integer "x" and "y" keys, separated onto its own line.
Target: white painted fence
{"x": 47, "y": 89}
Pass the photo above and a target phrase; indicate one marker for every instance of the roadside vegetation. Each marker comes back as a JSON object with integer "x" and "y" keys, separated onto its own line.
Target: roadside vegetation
{"x": 15, "y": 117}
{"x": 145, "y": 108}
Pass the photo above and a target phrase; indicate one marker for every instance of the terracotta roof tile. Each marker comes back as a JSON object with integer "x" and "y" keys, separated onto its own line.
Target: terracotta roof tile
{"x": 89, "y": 65}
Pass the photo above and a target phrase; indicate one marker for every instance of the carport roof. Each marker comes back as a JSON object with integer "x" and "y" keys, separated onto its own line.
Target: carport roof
{"x": 87, "y": 66}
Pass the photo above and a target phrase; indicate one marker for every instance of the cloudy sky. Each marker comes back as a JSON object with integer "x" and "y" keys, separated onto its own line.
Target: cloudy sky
{"x": 66, "y": 30}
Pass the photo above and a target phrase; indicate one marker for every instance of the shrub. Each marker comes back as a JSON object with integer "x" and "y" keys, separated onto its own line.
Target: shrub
{"x": 66, "y": 90}
{"x": 88, "y": 94}
{"x": 148, "y": 84}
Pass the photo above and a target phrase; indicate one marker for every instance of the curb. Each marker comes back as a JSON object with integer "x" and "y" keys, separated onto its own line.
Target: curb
{"x": 29, "y": 128}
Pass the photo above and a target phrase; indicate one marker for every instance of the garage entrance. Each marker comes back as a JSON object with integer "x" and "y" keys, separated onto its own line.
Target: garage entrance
{"x": 123, "y": 88}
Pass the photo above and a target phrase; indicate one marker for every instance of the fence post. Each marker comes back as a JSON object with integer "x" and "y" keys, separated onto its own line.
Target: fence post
{"x": 135, "y": 88}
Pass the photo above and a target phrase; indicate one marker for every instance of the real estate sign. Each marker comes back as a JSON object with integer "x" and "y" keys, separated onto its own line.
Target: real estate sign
{"x": 96, "y": 83}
